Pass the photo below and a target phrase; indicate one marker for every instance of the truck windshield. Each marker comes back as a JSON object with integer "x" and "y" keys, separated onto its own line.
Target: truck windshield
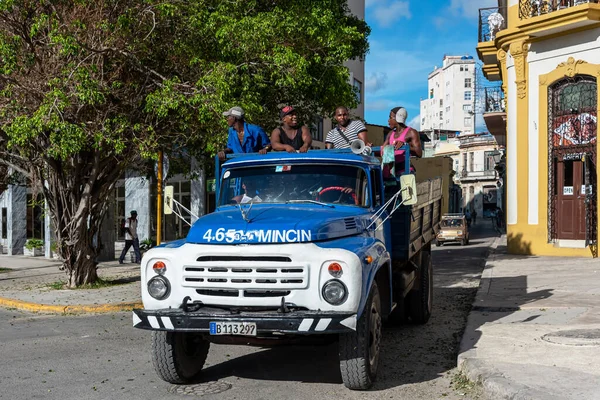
{"x": 323, "y": 183}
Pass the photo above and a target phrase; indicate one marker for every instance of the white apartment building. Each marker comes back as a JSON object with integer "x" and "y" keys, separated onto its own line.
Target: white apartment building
{"x": 450, "y": 98}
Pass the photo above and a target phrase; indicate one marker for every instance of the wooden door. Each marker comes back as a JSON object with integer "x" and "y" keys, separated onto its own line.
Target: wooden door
{"x": 571, "y": 199}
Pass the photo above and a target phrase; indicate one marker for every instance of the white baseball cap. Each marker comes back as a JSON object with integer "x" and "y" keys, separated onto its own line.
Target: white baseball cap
{"x": 235, "y": 111}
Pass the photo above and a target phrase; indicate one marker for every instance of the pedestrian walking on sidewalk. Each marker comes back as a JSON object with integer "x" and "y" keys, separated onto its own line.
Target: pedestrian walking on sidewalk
{"x": 131, "y": 238}
{"x": 474, "y": 217}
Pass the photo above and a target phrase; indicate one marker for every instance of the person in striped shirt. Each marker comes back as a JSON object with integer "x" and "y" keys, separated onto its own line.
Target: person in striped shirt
{"x": 346, "y": 131}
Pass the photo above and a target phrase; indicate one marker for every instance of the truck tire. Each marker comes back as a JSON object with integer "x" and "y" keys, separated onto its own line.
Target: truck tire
{"x": 178, "y": 357}
{"x": 420, "y": 299}
{"x": 359, "y": 350}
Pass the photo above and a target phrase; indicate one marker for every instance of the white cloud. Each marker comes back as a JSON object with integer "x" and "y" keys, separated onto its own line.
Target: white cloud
{"x": 375, "y": 82}
{"x": 387, "y": 14}
{"x": 470, "y": 8}
{"x": 415, "y": 122}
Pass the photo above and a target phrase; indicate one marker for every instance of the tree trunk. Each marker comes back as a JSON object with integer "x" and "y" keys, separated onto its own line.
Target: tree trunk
{"x": 78, "y": 193}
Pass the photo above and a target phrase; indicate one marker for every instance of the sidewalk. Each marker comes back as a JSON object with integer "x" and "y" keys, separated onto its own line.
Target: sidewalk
{"x": 27, "y": 285}
{"x": 534, "y": 330}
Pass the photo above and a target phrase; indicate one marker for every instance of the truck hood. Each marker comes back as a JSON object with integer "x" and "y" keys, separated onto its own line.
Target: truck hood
{"x": 278, "y": 224}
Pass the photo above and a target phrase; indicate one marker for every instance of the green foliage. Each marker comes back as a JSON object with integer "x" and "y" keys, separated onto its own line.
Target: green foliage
{"x": 89, "y": 88}
{"x": 34, "y": 244}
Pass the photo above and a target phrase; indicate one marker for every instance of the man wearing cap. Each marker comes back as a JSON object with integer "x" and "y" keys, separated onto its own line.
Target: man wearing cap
{"x": 401, "y": 134}
{"x": 131, "y": 238}
{"x": 346, "y": 131}
{"x": 289, "y": 136}
{"x": 243, "y": 137}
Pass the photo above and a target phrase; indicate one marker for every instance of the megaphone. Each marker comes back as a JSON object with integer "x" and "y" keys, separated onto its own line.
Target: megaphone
{"x": 358, "y": 147}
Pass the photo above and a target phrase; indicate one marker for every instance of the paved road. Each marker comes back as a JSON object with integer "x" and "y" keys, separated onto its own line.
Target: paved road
{"x": 103, "y": 357}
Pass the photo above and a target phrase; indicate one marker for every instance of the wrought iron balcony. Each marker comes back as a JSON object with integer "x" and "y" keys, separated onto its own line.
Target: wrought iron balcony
{"x": 494, "y": 100}
{"x": 491, "y": 21}
{"x": 533, "y": 8}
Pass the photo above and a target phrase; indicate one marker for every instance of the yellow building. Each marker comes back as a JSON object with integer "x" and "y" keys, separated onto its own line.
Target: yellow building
{"x": 547, "y": 55}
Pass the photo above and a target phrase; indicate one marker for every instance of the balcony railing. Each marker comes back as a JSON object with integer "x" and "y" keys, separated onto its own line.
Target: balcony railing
{"x": 486, "y": 174}
{"x": 491, "y": 21}
{"x": 533, "y": 8}
{"x": 494, "y": 100}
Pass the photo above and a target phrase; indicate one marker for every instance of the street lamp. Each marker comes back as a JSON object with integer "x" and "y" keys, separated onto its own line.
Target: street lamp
{"x": 497, "y": 156}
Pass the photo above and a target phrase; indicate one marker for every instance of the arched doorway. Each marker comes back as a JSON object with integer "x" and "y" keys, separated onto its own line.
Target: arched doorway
{"x": 572, "y": 114}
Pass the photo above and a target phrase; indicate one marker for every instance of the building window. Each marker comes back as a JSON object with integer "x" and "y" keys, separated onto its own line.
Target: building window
{"x": 317, "y": 129}
{"x": 442, "y": 115}
{"x": 358, "y": 87}
{"x": 466, "y": 68}
{"x": 431, "y": 93}
{"x": 441, "y": 103}
{"x": 467, "y": 121}
{"x": 467, "y": 83}
{"x": 448, "y": 109}
{"x": 4, "y": 223}
{"x": 467, "y": 108}
{"x": 471, "y": 161}
{"x": 462, "y": 68}
{"x": 120, "y": 211}
{"x": 35, "y": 217}
{"x": 489, "y": 160}
{"x": 464, "y": 166}
{"x": 468, "y": 95}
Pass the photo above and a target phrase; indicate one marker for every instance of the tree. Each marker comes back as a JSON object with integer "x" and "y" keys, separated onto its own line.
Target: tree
{"x": 90, "y": 88}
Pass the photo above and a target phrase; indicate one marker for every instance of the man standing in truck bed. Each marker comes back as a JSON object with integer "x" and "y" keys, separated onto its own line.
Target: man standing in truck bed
{"x": 243, "y": 137}
{"x": 346, "y": 131}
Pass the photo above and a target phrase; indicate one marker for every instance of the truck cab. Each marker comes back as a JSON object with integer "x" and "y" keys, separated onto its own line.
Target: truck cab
{"x": 299, "y": 245}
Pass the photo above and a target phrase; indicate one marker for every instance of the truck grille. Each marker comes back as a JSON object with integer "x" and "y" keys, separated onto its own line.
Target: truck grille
{"x": 236, "y": 276}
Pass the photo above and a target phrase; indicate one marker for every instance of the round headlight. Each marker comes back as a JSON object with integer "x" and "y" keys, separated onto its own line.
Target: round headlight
{"x": 334, "y": 292}
{"x": 459, "y": 232}
{"x": 158, "y": 287}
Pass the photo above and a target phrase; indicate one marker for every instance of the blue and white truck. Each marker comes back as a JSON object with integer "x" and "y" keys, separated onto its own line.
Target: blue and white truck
{"x": 299, "y": 245}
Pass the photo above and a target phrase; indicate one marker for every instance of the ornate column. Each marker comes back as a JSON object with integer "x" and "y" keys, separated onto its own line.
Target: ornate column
{"x": 518, "y": 51}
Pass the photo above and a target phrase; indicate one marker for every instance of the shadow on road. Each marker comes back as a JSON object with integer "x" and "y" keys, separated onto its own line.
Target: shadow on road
{"x": 409, "y": 354}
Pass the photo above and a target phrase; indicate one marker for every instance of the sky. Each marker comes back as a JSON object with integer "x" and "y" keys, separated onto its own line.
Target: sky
{"x": 408, "y": 39}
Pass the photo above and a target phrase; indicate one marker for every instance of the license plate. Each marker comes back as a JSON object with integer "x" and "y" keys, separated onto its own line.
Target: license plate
{"x": 449, "y": 237}
{"x": 233, "y": 328}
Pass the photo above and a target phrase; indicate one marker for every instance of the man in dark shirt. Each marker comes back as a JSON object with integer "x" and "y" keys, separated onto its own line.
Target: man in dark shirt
{"x": 243, "y": 137}
{"x": 290, "y": 136}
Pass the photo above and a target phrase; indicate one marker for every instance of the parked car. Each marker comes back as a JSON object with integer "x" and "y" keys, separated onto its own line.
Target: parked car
{"x": 453, "y": 228}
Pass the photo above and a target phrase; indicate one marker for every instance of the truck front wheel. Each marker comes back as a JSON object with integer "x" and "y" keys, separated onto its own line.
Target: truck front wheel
{"x": 178, "y": 357}
{"x": 359, "y": 350}
{"x": 419, "y": 300}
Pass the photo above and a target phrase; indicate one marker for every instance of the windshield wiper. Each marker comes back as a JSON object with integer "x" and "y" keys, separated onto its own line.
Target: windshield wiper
{"x": 311, "y": 201}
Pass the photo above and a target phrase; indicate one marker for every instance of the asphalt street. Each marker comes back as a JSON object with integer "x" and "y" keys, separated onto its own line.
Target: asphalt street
{"x": 104, "y": 357}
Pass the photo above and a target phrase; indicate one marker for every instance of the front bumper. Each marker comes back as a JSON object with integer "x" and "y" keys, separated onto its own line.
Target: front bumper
{"x": 267, "y": 322}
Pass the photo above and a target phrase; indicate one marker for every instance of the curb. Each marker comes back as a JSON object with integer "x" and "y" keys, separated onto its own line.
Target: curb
{"x": 494, "y": 383}
{"x": 73, "y": 309}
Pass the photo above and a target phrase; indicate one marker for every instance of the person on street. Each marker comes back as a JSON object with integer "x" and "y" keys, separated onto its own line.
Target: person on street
{"x": 243, "y": 137}
{"x": 290, "y": 136}
{"x": 468, "y": 217}
{"x": 401, "y": 135}
{"x": 131, "y": 238}
{"x": 474, "y": 217}
{"x": 346, "y": 131}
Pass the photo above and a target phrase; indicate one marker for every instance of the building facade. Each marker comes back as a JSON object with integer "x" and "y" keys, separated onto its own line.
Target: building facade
{"x": 451, "y": 96}
{"x": 547, "y": 55}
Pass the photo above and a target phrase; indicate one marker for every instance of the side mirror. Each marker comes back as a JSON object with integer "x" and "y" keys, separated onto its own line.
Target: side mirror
{"x": 408, "y": 189}
{"x": 168, "y": 200}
